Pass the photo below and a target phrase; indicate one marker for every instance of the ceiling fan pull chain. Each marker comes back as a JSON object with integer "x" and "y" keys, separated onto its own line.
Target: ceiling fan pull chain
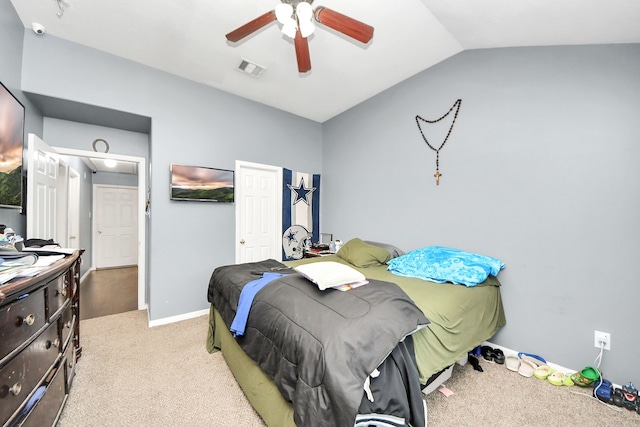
{"x": 455, "y": 105}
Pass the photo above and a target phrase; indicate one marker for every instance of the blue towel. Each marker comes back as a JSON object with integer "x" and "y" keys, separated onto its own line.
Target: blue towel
{"x": 440, "y": 264}
{"x": 247, "y": 295}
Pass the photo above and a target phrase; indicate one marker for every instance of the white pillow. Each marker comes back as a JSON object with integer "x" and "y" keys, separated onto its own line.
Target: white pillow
{"x": 329, "y": 274}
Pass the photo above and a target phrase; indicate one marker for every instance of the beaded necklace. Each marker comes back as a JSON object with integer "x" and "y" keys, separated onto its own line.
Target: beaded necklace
{"x": 456, "y": 105}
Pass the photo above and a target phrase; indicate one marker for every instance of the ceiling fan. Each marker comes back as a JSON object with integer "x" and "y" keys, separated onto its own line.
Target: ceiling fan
{"x": 296, "y": 17}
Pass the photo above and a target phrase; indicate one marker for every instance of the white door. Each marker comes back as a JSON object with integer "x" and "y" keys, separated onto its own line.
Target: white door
{"x": 115, "y": 216}
{"x": 42, "y": 190}
{"x": 258, "y": 212}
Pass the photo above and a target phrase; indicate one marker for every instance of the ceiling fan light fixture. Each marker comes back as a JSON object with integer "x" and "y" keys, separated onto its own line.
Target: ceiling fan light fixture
{"x": 304, "y": 12}
{"x": 289, "y": 29}
{"x": 284, "y": 15}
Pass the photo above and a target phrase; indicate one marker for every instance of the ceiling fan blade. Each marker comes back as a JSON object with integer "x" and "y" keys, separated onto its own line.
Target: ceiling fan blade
{"x": 302, "y": 52}
{"x": 342, "y": 23}
{"x": 251, "y": 27}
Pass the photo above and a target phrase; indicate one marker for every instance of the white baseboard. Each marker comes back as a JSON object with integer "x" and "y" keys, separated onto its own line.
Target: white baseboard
{"x": 510, "y": 352}
{"x": 86, "y": 274}
{"x": 174, "y": 319}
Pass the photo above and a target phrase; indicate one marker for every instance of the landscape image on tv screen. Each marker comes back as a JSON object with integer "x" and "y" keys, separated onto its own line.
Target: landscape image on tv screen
{"x": 11, "y": 145}
{"x": 201, "y": 183}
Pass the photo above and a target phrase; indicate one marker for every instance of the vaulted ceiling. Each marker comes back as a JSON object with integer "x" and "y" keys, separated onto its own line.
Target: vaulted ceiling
{"x": 187, "y": 38}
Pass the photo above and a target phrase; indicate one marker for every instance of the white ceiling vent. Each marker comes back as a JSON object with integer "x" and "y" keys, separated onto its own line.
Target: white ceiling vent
{"x": 250, "y": 68}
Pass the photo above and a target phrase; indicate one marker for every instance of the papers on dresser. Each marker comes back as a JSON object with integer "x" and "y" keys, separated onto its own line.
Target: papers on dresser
{"x": 27, "y": 266}
{"x": 47, "y": 260}
{"x": 49, "y": 250}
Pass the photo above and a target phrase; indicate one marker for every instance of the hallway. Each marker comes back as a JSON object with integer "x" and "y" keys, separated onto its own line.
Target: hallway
{"x": 109, "y": 291}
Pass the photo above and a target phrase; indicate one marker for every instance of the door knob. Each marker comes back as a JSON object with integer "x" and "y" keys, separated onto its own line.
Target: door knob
{"x": 242, "y": 241}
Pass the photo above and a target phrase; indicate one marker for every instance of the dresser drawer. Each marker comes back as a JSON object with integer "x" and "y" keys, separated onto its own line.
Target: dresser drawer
{"x": 47, "y": 411}
{"x": 70, "y": 364}
{"x": 21, "y": 375}
{"x": 20, "y": 320}
{"x": 67, "y": 323}
{"x": 58, "y": 292}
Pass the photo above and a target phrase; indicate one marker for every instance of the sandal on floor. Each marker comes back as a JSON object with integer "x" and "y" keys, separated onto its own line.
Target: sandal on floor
{"x": 526, "y": 368}
{"x": 586, "y": 377}
{"x": 513, "y": 363}
{"x": 556, "y": 378}
{"x": 542, "y": 372}
{"x": 533, "y": 361}
{"x": 538, "y": 359}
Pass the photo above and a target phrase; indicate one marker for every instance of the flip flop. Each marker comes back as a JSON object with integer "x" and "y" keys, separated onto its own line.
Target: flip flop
{"x": 535, "y": 362}
{"x": 534, "y": 356}
{"x": 513, "y": 363}
{"x": 526, "y": 368}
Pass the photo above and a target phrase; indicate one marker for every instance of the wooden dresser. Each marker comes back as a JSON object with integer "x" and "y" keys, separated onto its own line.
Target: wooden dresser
{"x": 39, "y": 343}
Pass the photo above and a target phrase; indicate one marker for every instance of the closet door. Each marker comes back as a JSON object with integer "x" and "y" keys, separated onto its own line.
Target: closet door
{"x": 258, "y": 213}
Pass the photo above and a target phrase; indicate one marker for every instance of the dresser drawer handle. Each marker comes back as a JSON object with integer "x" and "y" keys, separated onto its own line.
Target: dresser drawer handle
{"x": 55, "y": 343}
{"x": 15, "y": 389}
{"x": 29, "y": 320}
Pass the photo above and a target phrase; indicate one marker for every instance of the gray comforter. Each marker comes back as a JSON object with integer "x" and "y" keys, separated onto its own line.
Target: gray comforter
{"x": 317, "y": 346}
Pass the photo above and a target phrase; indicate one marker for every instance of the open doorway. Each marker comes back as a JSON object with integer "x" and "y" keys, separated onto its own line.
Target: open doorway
{"x": 141, "y": 169}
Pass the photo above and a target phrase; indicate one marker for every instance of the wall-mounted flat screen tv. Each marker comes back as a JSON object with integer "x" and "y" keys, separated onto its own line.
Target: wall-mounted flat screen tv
{"x": 11, "y": 146}
{"x": 202, "y": 184}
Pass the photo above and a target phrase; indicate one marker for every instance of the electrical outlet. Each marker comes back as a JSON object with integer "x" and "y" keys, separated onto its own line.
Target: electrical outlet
{"x": 602, "y": 337}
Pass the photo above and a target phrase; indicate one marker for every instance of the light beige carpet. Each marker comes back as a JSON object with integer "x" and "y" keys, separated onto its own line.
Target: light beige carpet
{"x": 132, "y": 375}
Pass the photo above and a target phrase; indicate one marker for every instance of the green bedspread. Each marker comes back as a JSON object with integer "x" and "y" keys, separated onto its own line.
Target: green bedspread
{"x": 461, "y": 317}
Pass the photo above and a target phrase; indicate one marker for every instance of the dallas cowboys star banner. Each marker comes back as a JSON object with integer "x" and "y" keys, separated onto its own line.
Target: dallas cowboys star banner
{"x": 300, "y": 212}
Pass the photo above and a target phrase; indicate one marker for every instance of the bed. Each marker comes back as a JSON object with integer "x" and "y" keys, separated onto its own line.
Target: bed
{"x": 459, "y": 319}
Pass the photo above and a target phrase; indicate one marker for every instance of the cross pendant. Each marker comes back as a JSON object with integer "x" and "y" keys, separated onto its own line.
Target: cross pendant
{"x": 437, "y": 175}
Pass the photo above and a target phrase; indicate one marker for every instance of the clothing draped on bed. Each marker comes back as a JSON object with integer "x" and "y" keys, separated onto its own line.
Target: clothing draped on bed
{"x": 319, "y": 347}
{"x": 460, "y": 318}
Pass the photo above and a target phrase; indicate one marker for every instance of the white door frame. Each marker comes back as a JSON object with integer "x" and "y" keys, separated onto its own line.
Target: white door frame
{"x": 239, "y": 200}
{"x": 73, "y": 209}
{"x": 142, "y": 230}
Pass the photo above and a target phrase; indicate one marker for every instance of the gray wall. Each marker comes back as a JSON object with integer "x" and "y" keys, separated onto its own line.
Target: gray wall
{"x": 11, "y": 33}
{"x": 541, "y": 171}
{"x": 190, "y": 124}
{"x": 80, "y": 136}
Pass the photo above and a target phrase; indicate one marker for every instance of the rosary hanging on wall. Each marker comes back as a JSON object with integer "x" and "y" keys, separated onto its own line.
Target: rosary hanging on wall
{"x": 455, "y": 106}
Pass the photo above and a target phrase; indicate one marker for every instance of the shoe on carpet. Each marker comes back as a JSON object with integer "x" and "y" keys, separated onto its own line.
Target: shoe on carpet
{"x": 492, "y": 354}
{"x": 513, "y": 363}
{"x": 586, "y": 377}
{"x": 542, "y": 372}
{"x": 526, "y": 368}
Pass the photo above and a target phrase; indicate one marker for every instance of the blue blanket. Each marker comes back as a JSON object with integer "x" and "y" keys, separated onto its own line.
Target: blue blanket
{"x": 439, "y": 264}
